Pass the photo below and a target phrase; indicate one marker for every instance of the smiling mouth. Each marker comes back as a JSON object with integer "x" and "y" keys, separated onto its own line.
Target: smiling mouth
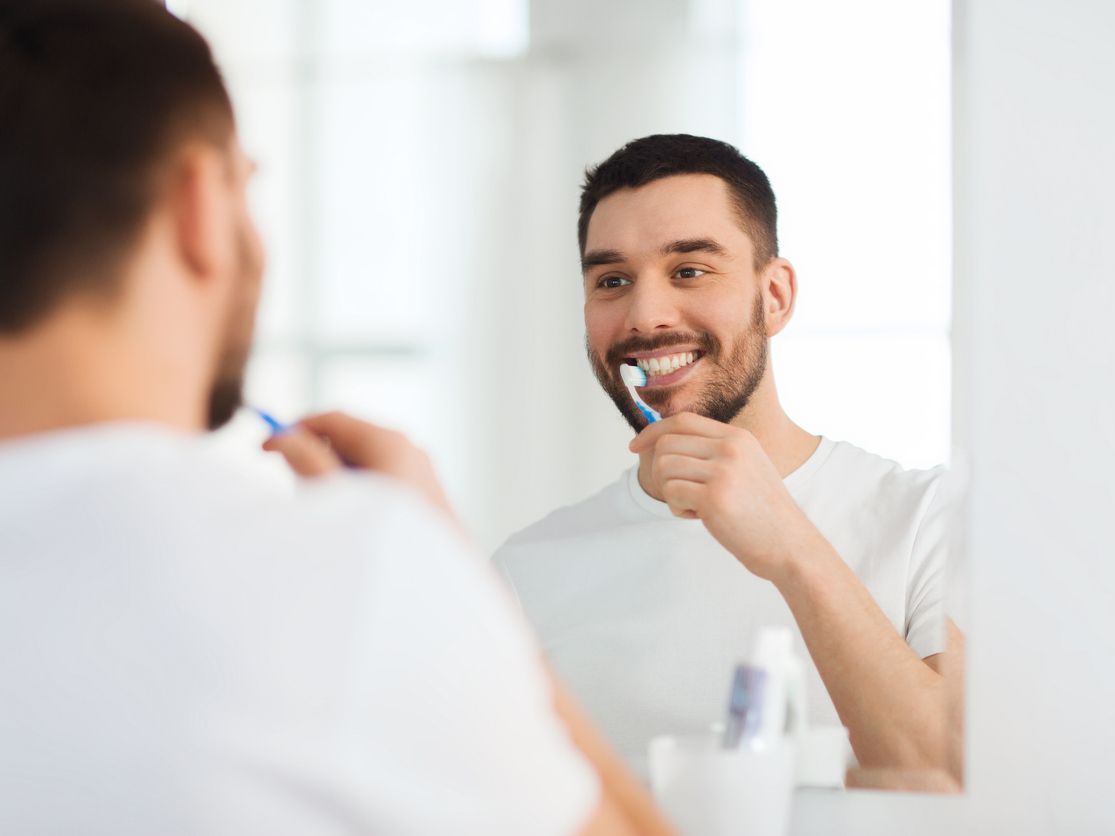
{"x": 667, "y": 368}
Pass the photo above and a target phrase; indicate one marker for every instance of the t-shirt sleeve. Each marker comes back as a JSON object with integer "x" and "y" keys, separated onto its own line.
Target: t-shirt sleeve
{"x": 925, "y": 603}
{"x": 457, "y": 732}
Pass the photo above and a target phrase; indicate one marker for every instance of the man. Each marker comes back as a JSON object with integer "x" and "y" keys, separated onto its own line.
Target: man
{"x": 183, "y": 653}
{"x": 647, "y": 594}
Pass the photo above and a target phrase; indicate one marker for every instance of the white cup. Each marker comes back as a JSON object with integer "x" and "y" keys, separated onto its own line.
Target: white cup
{"x": 706, "y": 790}
{"x": 823, "y": 756}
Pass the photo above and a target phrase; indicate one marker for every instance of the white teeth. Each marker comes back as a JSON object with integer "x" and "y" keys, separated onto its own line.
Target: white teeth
{"x": 666, "y": 365}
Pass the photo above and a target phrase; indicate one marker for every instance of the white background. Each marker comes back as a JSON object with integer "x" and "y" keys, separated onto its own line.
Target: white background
{"x": 1034, "y": 410}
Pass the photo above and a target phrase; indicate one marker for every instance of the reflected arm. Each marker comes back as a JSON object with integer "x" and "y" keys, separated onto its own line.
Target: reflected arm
{"x": 625, "y": 807}
{"x": 902, "y": 712}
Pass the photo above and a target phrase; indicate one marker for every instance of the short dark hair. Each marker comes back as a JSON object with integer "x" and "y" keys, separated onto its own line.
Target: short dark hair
{"x": 651, "y": 158}
{"x": 95, "y": 97}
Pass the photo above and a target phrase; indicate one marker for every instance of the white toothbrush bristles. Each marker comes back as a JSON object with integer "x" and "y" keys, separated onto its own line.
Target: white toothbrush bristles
{"x": 633, "y": 375}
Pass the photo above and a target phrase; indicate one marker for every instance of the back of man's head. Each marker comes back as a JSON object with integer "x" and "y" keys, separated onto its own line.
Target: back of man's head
{"x": 95, "y": 96}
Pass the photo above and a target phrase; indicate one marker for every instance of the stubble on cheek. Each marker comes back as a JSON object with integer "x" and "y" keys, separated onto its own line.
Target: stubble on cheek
{"x": 614, "y": 388}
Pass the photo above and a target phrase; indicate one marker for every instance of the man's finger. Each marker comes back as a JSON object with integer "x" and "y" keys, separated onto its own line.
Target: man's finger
{"x": 306, "y": 454}
{"x": 356, "y": 442}
{"x": 684, "y": 423}
{"x": 694, "y": 446}
{"x": 672, "y": 466}
{"x": 683, "y": 497}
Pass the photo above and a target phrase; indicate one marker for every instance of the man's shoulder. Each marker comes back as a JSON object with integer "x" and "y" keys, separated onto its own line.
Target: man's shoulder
{"x": 863, "y": 477}
{"x": 149, "y": 485}
{"x": 603, "y": 510}
{"x": 217, "y": 485}
{"x": 850, "y": 462}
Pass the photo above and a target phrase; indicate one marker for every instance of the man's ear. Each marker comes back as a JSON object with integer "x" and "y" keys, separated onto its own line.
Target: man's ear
{"x": 200, "y": 205}
{"x": 779, "y": 283}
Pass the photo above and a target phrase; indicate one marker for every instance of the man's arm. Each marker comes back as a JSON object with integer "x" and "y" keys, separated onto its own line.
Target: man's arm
{"x": 893, "y": 703}
{"x": 625, "y": 807}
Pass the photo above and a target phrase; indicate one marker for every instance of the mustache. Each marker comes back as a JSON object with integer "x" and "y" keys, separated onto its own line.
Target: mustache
{"x": 620, "y": 351}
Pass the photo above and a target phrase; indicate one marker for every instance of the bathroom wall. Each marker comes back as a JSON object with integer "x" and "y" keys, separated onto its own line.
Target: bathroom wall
{"x": 1034, "y": 414}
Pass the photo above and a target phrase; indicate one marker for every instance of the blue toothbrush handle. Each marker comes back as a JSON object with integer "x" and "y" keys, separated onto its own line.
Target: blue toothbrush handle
{"x": 276, "y": 426}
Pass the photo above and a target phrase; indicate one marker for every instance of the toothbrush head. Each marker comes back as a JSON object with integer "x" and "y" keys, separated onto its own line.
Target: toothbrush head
{"x": 632, "y": 375}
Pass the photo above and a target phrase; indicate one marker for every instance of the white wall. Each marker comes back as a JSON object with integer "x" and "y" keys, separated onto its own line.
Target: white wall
{"x": 1036, "y": 366}
{"x": 1035, "y": 412}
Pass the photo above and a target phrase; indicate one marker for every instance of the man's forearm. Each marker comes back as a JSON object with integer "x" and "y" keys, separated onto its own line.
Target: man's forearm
{"x": 626, "y": 806}
{"x": 892, "y": 702}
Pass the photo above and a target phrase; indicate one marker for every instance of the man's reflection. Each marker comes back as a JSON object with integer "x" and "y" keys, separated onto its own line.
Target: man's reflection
{"x": 647, "y": 594}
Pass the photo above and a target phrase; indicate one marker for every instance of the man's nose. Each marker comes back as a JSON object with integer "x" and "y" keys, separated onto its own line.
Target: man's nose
{"x": 651, "y": 307}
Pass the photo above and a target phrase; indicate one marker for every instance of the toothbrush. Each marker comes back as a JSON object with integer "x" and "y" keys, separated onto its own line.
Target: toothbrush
{"x": 634, "y": 376}
{"x": 745, "y": 707}
{"x": 276, "y": 426}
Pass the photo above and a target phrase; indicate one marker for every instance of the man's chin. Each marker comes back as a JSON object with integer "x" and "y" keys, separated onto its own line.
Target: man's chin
{"x": 668, "y": 403}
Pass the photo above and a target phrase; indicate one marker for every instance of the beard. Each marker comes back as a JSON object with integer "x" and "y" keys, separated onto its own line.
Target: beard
{"x": 730, "y": 380}
{"x": 226, "y": 393}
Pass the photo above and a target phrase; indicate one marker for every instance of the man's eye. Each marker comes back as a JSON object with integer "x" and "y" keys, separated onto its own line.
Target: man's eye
{"x": 689, "y": 273}
{"x": 613, "y": 282}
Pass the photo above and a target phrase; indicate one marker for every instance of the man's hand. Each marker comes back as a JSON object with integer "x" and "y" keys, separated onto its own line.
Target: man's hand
{"x": 325, "y": 443}
{"x": 720, "y": 475}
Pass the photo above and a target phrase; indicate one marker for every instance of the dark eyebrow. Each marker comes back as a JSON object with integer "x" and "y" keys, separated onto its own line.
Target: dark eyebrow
{"x": 595, "y": 258}
{"x": 694, "y": 245}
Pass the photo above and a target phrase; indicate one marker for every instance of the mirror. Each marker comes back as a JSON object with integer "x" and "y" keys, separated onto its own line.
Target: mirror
{"x": 420, "y": 174}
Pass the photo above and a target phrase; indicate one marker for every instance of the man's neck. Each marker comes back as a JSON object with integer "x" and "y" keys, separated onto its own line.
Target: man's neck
{"x": 72, "y": 371}
{"x": 786, "y": 444}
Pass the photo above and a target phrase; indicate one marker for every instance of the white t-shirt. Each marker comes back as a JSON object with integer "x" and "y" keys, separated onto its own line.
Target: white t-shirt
{"x": 644, "y": 615}
{"x": 183, "y": 653}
